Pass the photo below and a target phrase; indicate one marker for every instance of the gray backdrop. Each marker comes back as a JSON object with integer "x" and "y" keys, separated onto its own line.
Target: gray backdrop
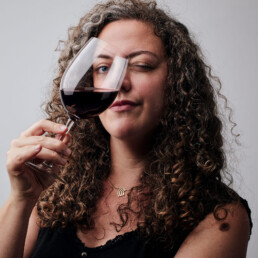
{"x": 226, "y": 30}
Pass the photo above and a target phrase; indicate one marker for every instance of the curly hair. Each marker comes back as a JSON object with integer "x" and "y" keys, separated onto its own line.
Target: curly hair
{"x": 183, "y": 177}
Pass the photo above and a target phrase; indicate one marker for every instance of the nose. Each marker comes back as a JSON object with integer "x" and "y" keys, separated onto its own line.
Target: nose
{"x": 126, "y": 84}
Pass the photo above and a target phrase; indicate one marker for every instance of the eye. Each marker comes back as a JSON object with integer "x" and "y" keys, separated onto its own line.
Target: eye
{"x": 102, "y": 69}
{"x": 141, "y": 67}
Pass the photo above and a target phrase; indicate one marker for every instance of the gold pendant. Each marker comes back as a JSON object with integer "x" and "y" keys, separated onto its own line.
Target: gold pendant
{"x": 121, "y": 192}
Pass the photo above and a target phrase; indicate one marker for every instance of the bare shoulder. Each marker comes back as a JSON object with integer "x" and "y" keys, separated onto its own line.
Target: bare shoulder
{"x": 226, "y": 238}
{"x": 32, "y": 234}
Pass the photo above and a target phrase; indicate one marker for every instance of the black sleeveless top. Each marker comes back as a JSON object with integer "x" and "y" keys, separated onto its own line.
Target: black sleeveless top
{"x": 64, "y": 243}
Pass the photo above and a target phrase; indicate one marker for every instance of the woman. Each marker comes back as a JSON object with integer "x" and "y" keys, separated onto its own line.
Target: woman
{"x": 161, "y": 142}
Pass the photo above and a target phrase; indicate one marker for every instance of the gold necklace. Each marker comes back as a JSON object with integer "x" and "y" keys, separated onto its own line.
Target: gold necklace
{"x": 120, "y": 190}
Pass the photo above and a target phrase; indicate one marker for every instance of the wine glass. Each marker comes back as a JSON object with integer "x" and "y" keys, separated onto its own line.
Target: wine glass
{"x": 88, "y": 87}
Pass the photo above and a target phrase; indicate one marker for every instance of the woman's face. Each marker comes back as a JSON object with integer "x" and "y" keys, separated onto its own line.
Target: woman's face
{"x": 137, "y": 109}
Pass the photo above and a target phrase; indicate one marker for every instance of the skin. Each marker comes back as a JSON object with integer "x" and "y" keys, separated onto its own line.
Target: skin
{"x": 130, "y": 126}
{"x": 212, "y": 238}
{"x": 130, "y": 129}
{"x": 143, "y": 83}
{"x": 26, "y": 186}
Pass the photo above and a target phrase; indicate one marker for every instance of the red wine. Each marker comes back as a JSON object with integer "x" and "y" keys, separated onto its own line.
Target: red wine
{"x": 87, "y": 102}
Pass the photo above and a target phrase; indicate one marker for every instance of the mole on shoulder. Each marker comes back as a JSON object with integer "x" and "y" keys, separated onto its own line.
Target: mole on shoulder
{"x": 224, "y": 226}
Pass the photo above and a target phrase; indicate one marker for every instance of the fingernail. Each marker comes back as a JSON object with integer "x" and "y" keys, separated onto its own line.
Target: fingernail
{"x": 68, "y": 152}
{"x": 63, "y": 161}
{"x": 63, "y": 127}
{"x": 37, "y": 147}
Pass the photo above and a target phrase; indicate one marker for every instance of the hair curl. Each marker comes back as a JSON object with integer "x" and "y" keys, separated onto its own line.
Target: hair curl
{"x": 184, "y": 173}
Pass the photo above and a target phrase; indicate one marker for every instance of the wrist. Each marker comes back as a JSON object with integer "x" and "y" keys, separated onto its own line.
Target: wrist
{"x": 21, "y": 203}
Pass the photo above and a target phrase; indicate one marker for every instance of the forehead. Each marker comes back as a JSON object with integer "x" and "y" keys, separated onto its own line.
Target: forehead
{"x": 132, "y": 35}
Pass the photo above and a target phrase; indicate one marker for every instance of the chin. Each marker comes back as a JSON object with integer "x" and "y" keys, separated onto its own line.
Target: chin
{"x": 123, "y": 133}
{"x": 131, "y": 134}
{"x": 127, "y": 129}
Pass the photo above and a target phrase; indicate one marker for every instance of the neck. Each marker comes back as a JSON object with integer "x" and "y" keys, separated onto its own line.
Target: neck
{"x": 128, "y": 160}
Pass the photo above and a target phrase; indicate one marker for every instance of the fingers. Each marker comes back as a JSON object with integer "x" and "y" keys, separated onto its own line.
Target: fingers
{"x": 52, "y": 156}
{"x": 43, "y": 126}
{"x": 33, "y": 145}
{"x": 46, "y": 143}
{"x": 65, "y": 138}
{"x": 15, "y": 159}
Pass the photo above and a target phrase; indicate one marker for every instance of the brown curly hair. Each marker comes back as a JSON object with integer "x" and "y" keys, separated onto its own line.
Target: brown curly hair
{"x": 184, "y": 172}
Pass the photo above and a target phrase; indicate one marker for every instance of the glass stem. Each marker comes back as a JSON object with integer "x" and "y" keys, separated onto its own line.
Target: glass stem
{"x": 69, "y": 125}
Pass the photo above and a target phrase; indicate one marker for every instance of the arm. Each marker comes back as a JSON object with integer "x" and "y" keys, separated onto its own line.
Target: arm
{"x": 212, "y": 238}
{"x": 16, "y": 217}
{"x": 32, "y": 234}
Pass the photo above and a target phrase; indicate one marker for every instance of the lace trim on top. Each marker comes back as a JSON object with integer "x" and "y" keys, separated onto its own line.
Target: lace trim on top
{"x": 110, "y": 243}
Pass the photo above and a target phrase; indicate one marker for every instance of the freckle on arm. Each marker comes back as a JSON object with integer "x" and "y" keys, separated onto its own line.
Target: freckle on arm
{"x": 224, "y": 226}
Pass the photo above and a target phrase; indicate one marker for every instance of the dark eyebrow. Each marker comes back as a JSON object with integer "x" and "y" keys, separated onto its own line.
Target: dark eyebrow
{"x": 104, "y": 56}
{"x": 137, "y": 53}
{"x": 131, "y": 55}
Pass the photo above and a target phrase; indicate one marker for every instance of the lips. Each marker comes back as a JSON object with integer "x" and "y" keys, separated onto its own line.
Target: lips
{"x": 123, "y": 105}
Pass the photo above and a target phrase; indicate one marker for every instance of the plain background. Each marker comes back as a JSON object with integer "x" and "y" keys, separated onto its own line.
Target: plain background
{"x": 226, "y": 30}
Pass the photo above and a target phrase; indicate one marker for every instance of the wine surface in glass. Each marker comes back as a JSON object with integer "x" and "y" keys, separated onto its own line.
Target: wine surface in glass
{"x": 85, "y": 102}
